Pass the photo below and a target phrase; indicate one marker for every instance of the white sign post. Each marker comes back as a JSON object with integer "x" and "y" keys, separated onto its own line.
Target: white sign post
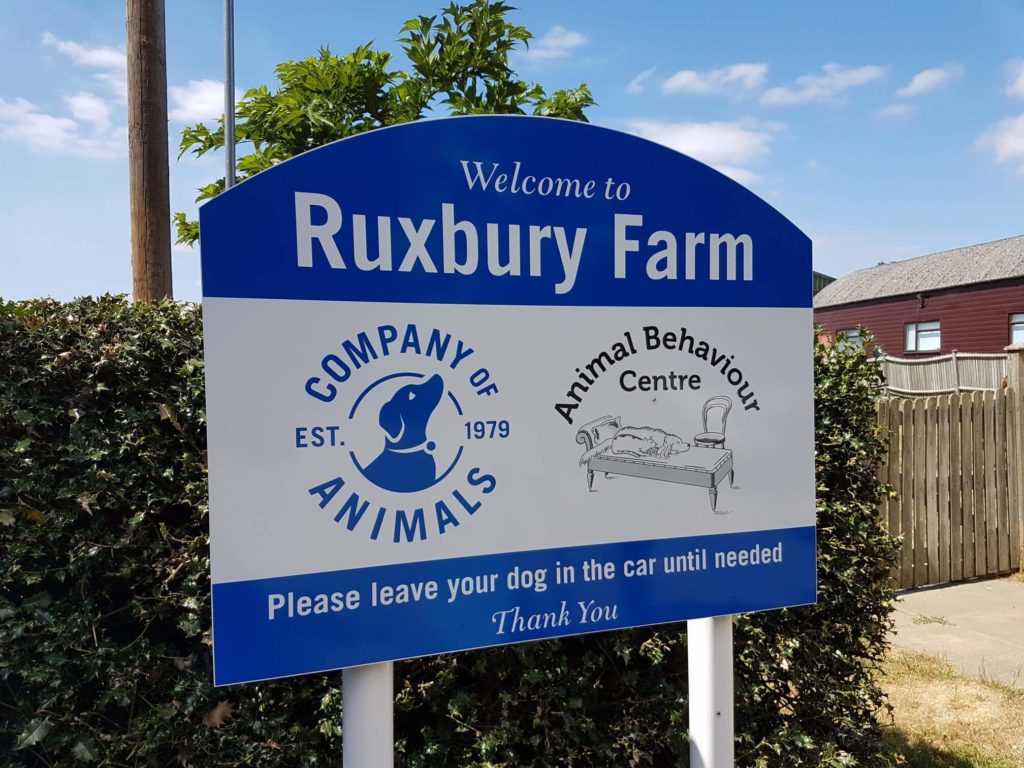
{"x": 710, "y": 666}
{"x": 488, "y": 380}
{"x": 368, "y": 716}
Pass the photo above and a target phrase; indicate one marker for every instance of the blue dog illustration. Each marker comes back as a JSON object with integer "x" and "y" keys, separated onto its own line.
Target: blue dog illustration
{"x": 406, "y": 463}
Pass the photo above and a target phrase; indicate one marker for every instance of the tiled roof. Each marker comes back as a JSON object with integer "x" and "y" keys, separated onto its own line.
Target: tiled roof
{"x": 998, "y": 260}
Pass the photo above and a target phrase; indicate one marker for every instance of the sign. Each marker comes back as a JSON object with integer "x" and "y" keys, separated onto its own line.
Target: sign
{"x": 484, "y": 380}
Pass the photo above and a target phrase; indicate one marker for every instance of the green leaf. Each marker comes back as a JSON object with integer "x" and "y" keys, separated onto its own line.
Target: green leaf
{"x": 36, "y": 731}
{"x": 37, "y": 601}
{"x": 85, "y": 750}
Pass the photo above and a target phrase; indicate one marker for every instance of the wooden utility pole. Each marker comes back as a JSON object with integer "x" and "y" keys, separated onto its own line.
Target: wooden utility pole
{"x": 147, "y": 151}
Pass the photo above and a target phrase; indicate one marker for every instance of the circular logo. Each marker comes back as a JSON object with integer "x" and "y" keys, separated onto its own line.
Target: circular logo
{"x": 415, "y": 411}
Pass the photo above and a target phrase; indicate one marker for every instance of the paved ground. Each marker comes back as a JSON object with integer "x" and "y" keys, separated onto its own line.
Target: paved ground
{"x": 978, "y": 627}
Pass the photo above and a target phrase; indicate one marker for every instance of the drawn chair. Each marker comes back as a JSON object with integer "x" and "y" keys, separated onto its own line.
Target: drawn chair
{"x": 715, "y": 414}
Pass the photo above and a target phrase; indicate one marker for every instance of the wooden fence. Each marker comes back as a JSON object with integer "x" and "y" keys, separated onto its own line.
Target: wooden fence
{"x": 944, "y": 374}
{"x": 954, "y": 462}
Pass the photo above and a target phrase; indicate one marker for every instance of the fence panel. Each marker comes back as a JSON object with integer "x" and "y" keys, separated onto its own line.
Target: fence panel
{"x": 894, "y": 419}
{"x": 919, "y": 431}
{"x": 906, "y": 497}
{"x": 1014, "y": 480}
{"x": 944, "y": 374}
{"x": 980, "y": 490}
{"x": 1001, "y": 470}
{"x": 954, "y": 462}
{"x": 967, "y": 482}
{"x": 956, "y": 510}
{"x": 944, "y": 554}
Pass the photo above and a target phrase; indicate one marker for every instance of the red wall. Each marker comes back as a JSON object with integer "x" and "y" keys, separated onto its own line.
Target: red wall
{"x": 974, "y": 318}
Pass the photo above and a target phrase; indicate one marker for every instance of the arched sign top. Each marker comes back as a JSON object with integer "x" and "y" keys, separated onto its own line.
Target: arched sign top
{"x": 502, "y": 210}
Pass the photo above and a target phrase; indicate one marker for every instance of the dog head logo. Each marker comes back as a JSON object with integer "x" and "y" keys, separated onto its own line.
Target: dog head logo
{"x": 406, "y": 463}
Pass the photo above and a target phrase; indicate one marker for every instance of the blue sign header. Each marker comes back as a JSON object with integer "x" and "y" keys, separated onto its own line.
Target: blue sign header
{"x": 504, "y": 210}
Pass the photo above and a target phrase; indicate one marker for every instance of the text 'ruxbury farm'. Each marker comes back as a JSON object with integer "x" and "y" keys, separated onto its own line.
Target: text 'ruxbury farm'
{"x": 386, "y": 242}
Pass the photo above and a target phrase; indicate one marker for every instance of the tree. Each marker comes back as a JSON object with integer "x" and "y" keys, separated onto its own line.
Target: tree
{"x": 459, "y": 62}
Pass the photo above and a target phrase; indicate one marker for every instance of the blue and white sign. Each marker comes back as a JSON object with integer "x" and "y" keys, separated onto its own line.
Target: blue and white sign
{"x": 484, "y": 380}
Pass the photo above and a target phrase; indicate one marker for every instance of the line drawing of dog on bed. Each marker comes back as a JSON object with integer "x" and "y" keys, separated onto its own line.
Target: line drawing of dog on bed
{"x": 638, "y": 441}
{"x": 652, "y": 453}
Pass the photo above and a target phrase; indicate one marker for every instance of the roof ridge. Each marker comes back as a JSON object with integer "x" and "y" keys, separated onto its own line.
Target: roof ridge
{"x": 940, "y": 253}
{"x": 998, "y": 259}
{"x": 965, "y": 247}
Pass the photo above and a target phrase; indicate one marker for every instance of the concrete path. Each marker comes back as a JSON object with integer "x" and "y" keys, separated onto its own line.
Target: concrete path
{"x": 978, "y": 627}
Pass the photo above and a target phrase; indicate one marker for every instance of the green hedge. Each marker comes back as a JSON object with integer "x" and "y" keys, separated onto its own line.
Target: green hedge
{"x": 104, "y": 594}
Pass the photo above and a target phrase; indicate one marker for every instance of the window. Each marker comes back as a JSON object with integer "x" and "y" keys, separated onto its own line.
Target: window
{"x": 923, "y": 337}
{"x": 1017, "y": 329}
{"x": 854, "y": 340}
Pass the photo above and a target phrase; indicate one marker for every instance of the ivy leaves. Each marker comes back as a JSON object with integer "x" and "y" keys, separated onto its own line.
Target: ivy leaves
{"x": 105, "y": 616}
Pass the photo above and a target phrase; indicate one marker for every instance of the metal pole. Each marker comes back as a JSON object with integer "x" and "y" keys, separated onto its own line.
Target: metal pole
{"x": 368, "y": 725}
{"x": 229, "y": 94}
{"x": 709, "y": 660}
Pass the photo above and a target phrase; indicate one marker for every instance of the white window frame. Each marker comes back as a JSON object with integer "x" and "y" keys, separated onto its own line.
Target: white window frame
{"x": 854, "y": 338}
{"x": 923, "y": 336}
{"x": 1017, "y": 328}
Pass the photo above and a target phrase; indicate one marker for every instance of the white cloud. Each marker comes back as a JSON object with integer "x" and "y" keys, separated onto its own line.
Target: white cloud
{"x": 558, "y": 43}
{"x": 896, "y": 110}
{"x": 726, "y": 146}
{"x": 90, "y": 108}
{"x": 834, "y": 80}
{"x": 88, "y": 129}
{"x": 735, "y": 76}
{"x": 1015, "y": 83}
{"x": 1005, "y": 139}
{"x": 639, "y": 83}
{"x": 22, "y": 122}
{"x": 197, "y": 100}
{"x": 116, "y": 82}
{"x": 112, "y": 63}
{"x": 931, "y": 79}
{"x": 743, "y": 175}
{"x": 100, "y": 57}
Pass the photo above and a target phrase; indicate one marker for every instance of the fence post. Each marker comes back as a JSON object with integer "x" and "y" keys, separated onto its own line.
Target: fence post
{"x": 956, "y": 373}
{"x": 1015, "y": 382}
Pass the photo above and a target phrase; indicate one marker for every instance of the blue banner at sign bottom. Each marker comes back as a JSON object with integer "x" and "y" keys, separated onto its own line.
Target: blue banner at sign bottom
{"x": 294, "y": 625}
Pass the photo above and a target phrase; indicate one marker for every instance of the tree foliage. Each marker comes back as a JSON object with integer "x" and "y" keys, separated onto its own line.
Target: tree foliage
{"x": 458, "y": 63}
{"x": 105, "y": 608}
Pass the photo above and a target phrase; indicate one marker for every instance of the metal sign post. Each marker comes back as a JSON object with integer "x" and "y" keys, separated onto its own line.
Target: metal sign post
{"x": 710, "y": 664}
{"x": 368, "y": 720}
{"x": 229, "y": 94}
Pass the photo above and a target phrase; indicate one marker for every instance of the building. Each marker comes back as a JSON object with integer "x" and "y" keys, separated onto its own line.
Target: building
{"x": 967, "y": 299}
{"x": 820, "y": 280}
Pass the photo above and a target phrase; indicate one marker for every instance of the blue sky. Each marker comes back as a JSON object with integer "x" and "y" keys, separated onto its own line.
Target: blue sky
{"x": 884, "y": 130}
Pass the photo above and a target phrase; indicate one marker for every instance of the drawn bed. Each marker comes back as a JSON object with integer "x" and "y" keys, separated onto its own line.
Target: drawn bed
{"x": 698, "y": 466}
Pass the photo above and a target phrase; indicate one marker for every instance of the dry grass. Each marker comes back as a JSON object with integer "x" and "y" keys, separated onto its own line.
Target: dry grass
{"x": 930, "y": 620}
{"x": 944, "y": 720}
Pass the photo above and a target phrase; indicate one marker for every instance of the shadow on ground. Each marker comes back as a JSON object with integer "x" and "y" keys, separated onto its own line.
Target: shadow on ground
{"x": 919, "y": 753}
